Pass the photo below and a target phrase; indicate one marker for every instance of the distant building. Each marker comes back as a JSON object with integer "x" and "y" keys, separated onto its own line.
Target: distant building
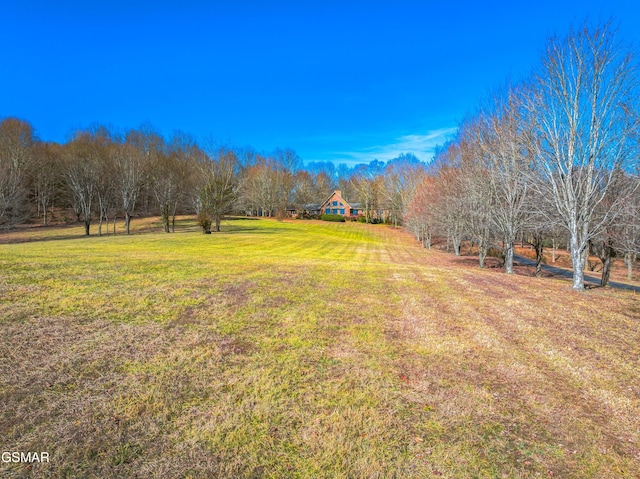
{"x": 335, "y": 204}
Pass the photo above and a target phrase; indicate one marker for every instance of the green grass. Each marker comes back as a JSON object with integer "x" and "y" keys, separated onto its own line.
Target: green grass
{"x": 306, "y": 349}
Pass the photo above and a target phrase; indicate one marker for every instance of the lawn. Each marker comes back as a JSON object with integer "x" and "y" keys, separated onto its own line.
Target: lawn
{"x": 306, "y": 349}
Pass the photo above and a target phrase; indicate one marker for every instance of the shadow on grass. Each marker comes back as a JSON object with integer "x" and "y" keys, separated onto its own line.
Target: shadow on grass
{"x": 248, "y": 229}
{"x": 39, "y": 233}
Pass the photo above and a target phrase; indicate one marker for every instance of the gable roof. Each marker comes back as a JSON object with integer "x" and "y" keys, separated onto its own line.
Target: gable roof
{"x": 333, "y": 193}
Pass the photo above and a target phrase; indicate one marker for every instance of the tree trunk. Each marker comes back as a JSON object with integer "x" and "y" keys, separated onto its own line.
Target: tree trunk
{"x": 578, "y": 259}
{"x": 629, "y": 263}
{"x": 456, "y": 245}
{"x": 606, "y": 262}
{"x": 165, "y": 218}
{"x": 114, "y": 224}
{"x": 483, "y": 248}
{"x": 538, "y": 245}
{"x": 508, "y": 257}
{"x": 87, "y": 224}
{"x": 173, "y": 217}
{"x": 606, "y": 271}
{"x": 127, "y": 222}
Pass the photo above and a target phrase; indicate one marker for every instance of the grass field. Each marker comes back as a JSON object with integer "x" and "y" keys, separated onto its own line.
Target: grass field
{"x": 306, "y": 349}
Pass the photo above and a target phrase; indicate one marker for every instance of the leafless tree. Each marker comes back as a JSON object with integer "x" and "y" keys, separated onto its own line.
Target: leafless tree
{"x": 81, "y": 158}
{"x": 504, "y": 140}
{"x": 323, "y": 185}
{"x": 45, "y": 177}
{"x": 584, "y": 113}
{"x": 401, "y": 179}
{"x": 420, "y": 215}
{"x": 448, "y": 205}
{"x": 218, "y": 192}
{"x": 104, "y": 169}
{"x": 628, "y": 234}
{"x": 16, "y": 156}
{"x": 616, "y": 236}
{"x": 474, "y": 190}
{"x": 368, "y": 186}
{"x": 263, "y": 186}
{"x": 130, "y": 174}
{"x": 286, "y": 163}
{"x": 303, "y": 191}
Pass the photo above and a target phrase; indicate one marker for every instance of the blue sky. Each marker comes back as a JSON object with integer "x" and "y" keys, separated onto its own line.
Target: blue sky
{"x": 339, "y": 81}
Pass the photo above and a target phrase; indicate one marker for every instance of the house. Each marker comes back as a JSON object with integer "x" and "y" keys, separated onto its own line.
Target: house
{"x": 335, "y": 204}
{"x": 312, "y": 209}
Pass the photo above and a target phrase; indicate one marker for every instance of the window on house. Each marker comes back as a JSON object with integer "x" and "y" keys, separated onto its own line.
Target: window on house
{"x": 328, "y": 211}
{"x": 342, "y": 211}
{"x": 334, "y": 211}
{"x": 335, "y": 203}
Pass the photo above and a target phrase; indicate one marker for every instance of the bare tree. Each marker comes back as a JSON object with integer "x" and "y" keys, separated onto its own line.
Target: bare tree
{"x": 616, "y": 236}
{"x": 286, "y": 163}
{"x": 219, "y": 187}
{"x": 130, "y": 172}
{"x": 105, "y": 178}
{"x": 448, "y": 206}
{"x": 262, "y": 188}
{"x": 45, "y": 177}
{"x": 474, "y": 190}
{"x": 16, "y": 155}
{"x": 80, "y": 172}
{"x": 303, "y": 191}
{"x": 628, "y": 238}
{"x": 504, "y": 139}
{"x": 322, "y": 185}
{"x": 401, "y": 178}
{"x": 584, "y": 114}
{"x": 368, "y": 186}
{"x": 420, "y": 217}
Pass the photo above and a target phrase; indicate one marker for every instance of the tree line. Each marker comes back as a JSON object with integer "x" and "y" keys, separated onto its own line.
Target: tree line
{"x": 553, "y": 159}
{"x": 101, "y": 175}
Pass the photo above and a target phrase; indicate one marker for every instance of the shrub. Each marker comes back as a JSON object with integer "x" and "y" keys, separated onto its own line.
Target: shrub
{"x": 205, "y": 222}
{"x": 336, "y": 218}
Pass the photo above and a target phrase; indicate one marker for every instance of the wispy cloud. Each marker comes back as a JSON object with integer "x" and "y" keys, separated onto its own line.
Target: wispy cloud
{"x": 423, "y": 146}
